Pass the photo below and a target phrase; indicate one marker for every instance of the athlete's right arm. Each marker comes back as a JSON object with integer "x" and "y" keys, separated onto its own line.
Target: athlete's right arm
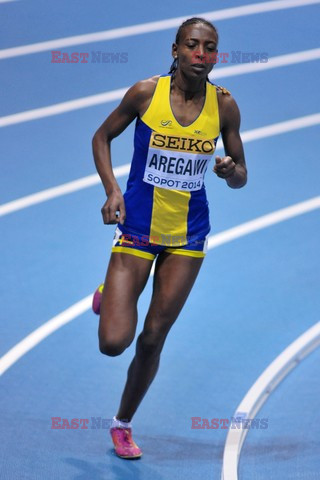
{"x": 133, "y": 104}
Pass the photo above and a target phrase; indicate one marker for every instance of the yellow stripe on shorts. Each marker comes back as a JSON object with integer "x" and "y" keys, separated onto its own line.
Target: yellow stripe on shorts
{"x": 133, "y": 251}
{"x": 186, "y": 253}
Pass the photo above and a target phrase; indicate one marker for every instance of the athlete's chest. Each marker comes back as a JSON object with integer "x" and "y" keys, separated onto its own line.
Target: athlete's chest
{"x": 186, "y": 111}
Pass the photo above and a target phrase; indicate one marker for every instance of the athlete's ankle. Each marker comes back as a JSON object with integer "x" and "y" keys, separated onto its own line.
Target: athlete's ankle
{"x": 120, "y": 423}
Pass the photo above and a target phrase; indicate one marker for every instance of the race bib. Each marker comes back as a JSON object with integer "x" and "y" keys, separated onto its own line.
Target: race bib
{"x": 177, "y": 163}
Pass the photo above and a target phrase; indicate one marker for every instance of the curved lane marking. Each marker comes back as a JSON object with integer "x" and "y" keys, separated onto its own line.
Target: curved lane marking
{"x": 260, "y": 392}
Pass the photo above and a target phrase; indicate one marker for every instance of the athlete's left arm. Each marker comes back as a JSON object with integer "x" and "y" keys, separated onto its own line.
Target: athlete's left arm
{"x": 232, "y": 167}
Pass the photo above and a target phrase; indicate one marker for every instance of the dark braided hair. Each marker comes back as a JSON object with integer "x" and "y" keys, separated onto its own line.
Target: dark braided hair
{"x": 186, "y": 23}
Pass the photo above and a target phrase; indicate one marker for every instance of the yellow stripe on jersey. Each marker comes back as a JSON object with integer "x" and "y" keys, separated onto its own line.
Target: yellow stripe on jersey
{"x": 169, "y": 223}
{"x": 159, "y": 115}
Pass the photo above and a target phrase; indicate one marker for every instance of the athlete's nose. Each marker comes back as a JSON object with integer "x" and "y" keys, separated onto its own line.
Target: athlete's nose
{"x": 200, "y": 54}
{"x": 201, "y": 50}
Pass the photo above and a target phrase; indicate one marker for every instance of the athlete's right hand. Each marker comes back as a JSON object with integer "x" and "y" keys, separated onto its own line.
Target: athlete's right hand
{"x": 114, "y": 211}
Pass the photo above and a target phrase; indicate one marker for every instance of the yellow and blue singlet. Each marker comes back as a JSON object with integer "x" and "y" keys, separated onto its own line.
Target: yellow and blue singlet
{"x": 165, "y": 198}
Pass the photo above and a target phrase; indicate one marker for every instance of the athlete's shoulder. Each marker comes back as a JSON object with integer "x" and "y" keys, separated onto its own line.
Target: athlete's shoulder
{"x": 223, "y": 95}
{"x": 139, "y": 95}
{"x": 228, "y": 108}
{"x": 144, "y": 89}
{"x": 222, "y": 91}
{"x": 225, "y": 99}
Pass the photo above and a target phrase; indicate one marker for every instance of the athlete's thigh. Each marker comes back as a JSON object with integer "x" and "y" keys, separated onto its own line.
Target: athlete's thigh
{"x": 173, "y": 281}
{"x": 125, "y": 279}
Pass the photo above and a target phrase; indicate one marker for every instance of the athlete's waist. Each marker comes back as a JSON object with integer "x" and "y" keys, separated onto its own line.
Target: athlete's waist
{"x": 129, "y": 236}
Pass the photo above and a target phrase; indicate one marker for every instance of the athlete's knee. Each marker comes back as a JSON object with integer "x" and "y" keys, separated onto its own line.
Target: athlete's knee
{"x": 164, "y": 315}
{"x": 112, "y": 348}
{"x": 150, "y": 342}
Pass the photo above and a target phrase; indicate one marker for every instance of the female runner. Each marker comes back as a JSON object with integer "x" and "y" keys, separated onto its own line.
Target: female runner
{"x": 164, "y": 212}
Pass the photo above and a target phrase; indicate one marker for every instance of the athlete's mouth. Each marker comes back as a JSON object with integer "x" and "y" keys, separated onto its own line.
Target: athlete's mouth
{"x": 198, "y": 66}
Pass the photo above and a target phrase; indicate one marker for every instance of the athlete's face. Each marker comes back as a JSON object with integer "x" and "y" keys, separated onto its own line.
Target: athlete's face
{"x": 196, "y": 50}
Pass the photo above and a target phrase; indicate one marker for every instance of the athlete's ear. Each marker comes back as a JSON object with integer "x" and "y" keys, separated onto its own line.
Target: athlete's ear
{"x": 174, "y": 50}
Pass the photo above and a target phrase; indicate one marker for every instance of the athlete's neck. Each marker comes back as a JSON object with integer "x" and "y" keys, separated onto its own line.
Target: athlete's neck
{"x": 188, "y": 88}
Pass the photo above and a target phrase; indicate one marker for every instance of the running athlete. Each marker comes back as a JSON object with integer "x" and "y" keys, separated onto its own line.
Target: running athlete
{"x": 163, "y": 214}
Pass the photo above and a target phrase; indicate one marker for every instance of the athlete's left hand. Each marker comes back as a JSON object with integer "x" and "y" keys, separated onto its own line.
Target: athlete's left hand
{"x": 224, "y": 167}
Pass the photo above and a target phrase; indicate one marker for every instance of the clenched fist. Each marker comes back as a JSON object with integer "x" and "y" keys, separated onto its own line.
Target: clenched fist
{"x": 224, "y": 167}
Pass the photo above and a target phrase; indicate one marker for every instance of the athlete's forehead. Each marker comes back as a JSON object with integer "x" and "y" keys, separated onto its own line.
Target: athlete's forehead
{"x": 199, "y": 31}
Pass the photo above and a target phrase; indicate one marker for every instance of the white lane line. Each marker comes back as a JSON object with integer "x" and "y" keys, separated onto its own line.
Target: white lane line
{"x": 281, "y": 127}
{"x": 113, "y": 95}
{"x": 58, "y": 191}
{"x": 29, "y": 342}
{"x": 273, "y": 62}
{"x": 263, "y": 222}
{"x": 260, "y": 392}
{"x": 156, "y": 26}
{"x": 59, "y": 108}
{"x": 90, "y": 180}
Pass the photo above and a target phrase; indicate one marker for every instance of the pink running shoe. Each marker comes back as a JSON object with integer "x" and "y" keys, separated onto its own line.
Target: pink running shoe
{"x": 96, "y": 301}
{"x": 124, "y": 446}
